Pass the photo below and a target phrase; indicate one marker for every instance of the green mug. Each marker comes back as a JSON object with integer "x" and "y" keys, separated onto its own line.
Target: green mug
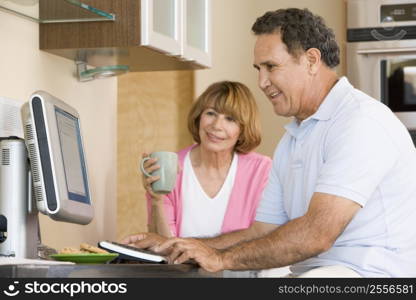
{"x": 168, "y": 162}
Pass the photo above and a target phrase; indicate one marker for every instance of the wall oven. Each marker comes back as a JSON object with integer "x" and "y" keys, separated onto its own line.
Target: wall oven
{"x": 381, "y": 54}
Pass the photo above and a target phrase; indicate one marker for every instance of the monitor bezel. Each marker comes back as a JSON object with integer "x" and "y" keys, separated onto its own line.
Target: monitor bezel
{"x": 66, "y": 209}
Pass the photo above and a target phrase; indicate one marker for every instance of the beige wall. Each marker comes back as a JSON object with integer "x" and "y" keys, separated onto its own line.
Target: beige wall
{"x": 25, "y": 69}
{"x": 233, "y": 47}
{"x": 152, "y": 116}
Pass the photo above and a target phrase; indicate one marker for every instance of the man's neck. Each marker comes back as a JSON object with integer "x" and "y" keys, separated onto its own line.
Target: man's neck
{"x": 323, "y": 84}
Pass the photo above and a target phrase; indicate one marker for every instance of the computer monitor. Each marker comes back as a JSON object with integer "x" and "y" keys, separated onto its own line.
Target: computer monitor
{"x": 59, "y": 172}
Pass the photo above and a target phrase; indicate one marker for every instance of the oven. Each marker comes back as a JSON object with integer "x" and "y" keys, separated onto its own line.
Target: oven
{"x": 381, "y": 54}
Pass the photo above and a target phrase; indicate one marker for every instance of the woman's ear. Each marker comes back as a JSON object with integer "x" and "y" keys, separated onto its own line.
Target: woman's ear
{"x": 313, "y": 56}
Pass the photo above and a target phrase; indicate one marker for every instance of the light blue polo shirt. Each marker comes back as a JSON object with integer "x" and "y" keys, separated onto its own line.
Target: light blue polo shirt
{"x": 353, "y": 147}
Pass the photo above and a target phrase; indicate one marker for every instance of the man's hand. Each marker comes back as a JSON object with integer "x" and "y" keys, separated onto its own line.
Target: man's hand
{"x": 183, "y": 250}
{"x": 146, "y": 240}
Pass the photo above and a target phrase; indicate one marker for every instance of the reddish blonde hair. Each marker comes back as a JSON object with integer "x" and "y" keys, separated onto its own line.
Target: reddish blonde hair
{"x": 233, "y": 99}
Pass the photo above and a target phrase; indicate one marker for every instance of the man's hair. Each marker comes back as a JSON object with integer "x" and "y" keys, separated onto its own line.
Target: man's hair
{"x": 300, "y": 30}
{"x": 233, "y": 99}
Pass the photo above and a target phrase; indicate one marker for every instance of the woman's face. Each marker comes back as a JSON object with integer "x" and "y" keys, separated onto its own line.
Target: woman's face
{"x": 218, "y": 132}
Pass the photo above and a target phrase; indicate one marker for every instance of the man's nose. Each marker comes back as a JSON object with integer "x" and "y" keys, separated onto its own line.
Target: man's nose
{"x": 263, "y": 80}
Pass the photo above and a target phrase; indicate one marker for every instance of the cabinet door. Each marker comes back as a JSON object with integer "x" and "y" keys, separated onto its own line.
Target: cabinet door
{"x": 197, "y": 31}
{"x": 161, "y": 25}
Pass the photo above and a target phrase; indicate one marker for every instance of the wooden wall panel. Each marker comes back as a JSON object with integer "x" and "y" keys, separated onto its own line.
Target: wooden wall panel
{"x": 152, "y": 114}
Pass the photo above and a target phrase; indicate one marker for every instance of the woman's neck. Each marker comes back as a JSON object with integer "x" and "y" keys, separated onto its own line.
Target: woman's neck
{"x": 203, "y": 158}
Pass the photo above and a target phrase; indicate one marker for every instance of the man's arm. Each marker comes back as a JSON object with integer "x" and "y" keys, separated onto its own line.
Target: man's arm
{"x": 299, "y": 239}
{"x": 302, "y": 238}
{"x": 257, "y": 229}
{"x": 149, "y": 240}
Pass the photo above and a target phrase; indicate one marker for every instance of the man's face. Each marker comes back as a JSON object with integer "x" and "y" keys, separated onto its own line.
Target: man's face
{"x": 284, "y": 79}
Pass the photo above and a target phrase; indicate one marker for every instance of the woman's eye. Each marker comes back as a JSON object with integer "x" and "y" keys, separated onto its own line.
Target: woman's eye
{"x": 230, "y": 119}
{"x": 210, "y": 113}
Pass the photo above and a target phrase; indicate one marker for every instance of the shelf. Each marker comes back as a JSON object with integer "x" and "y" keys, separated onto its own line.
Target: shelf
{"x": 55, "y": 11}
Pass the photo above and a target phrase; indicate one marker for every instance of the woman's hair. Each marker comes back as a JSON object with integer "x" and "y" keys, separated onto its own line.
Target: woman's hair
{"x": 233, "y": 99}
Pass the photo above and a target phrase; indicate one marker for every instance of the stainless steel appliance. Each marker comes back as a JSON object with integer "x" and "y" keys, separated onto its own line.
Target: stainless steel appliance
{"x": 19, "y": 227}
{"x": 381, "y": 54}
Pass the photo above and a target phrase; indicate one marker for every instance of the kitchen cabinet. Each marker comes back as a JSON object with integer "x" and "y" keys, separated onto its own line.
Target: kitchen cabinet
{"x": 161, "y": 25}
{"x": 70, "y": 11}
{"x": 197, "y": 31}
{"x": 178, "y": 27}
{"x": 146, "y": 35}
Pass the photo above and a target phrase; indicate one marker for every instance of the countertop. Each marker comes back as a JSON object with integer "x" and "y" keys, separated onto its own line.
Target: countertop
{"x": 114, "y": 271}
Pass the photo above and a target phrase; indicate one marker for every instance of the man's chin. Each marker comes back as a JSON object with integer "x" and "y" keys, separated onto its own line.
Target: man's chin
{"x": 282, "y": 113}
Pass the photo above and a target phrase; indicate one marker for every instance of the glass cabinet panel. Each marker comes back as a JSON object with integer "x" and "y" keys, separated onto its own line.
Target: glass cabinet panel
{"x": 197, "y": 39}
{"x": 164, "y": 17}
{"x": 196, "y": 19}
{"x": 161, "y": 22}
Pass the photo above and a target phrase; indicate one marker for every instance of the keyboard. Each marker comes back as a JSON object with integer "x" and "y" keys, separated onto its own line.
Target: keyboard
{"x": 132, "y": 253}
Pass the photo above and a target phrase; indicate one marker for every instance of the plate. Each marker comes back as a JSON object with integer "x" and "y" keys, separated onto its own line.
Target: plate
{"x": 86, "y": 258}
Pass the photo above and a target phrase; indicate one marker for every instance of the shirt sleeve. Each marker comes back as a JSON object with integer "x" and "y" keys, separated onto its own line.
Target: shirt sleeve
{"x": 271, "y": 209}
{"x": 170, "y": 214}
{"x": 357, "y": 155}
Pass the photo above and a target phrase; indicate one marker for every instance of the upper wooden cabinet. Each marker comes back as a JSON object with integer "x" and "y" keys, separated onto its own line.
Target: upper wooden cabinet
{"x": 147, "y": 35}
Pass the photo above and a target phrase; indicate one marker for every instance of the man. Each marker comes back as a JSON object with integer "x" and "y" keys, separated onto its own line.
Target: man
{"x": 341, "y": 195}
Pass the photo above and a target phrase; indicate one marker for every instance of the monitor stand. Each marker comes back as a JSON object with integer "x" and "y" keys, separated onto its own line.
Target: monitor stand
{"x": 19, "y": 217}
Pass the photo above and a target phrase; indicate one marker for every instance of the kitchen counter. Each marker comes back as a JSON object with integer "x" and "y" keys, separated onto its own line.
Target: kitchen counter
{"x": 114, "y": 271}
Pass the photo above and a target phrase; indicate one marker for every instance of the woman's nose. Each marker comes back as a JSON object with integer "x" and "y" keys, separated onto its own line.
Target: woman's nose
{"x": 217, "y": 122}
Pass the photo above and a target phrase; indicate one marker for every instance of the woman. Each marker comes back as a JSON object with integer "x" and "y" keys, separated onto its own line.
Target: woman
{"x": 220, "y": 181}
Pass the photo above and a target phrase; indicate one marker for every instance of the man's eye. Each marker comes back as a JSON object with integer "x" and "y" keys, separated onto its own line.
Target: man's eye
{"x": 270, "y": 67}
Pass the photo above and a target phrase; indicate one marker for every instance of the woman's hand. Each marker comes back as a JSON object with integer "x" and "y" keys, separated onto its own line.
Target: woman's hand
{"x": 151, "y": 165}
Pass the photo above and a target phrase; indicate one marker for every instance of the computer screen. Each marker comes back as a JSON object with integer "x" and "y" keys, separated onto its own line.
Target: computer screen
{"x": 55, "y": 148}
{"x": 73, "y": 158}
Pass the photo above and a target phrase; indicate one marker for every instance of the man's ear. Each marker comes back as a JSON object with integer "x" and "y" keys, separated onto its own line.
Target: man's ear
{"x": 313, "y": 56}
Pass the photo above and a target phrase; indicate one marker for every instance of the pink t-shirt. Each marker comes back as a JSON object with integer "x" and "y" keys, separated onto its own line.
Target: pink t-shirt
{"x": 251, "y": 178}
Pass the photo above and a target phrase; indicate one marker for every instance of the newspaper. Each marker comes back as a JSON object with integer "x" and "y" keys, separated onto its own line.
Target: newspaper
{"x": 10, "y": 119}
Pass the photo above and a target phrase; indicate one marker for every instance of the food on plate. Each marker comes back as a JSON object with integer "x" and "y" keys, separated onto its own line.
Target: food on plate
{"x": 84, "y": 248}
{"x": 69, "y": 250}
{"x": 92, "y": 249}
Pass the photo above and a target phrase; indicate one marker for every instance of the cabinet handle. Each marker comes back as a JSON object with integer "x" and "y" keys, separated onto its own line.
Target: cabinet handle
{"x": 383, "y": 51}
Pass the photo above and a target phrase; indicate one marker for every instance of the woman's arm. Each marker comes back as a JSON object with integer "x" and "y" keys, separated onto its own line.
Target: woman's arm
{"x": 158, "y": 220}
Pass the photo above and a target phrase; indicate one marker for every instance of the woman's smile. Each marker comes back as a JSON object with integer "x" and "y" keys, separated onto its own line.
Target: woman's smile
{"x": 214, "y": 138}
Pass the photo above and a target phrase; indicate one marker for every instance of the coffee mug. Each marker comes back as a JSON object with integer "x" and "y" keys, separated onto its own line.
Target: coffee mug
{"x": 168, "y": 162}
